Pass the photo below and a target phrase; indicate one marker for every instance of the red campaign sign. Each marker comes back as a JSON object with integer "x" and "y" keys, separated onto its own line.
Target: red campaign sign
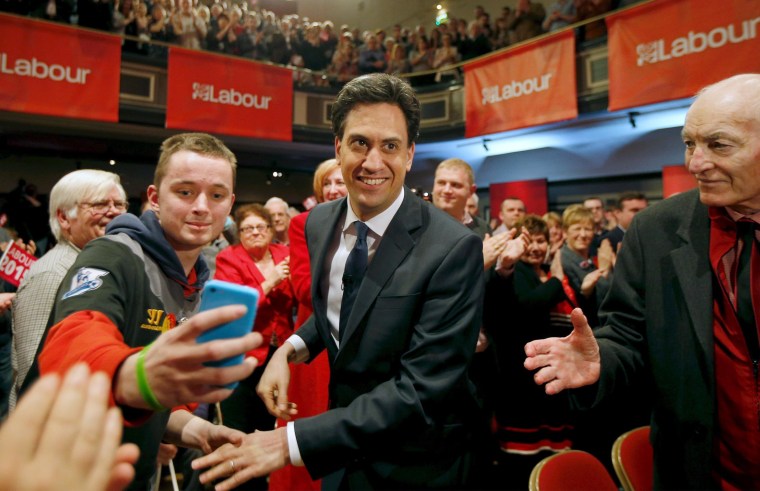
{"x": 15, "y": 263}
{"x": 668, "y": 50}
{"x": 220, "y": 94}
{"x": 58, "y": 70}
{"x": 528, "y": 86}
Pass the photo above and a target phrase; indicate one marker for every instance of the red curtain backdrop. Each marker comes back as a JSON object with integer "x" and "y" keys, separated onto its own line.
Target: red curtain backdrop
{"x": 670, "y": 49}
{"x": 676, "y": 179}
{"x": 533, "y": 193}
{"x": 219, "y": 94}
{"x": 531, "y": 85}
{"x": 57, "y": 70}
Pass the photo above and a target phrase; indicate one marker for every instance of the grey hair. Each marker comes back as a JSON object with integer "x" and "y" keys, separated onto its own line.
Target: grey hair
{"x": 276, "y": 201}
{"x": 77, "y": 187}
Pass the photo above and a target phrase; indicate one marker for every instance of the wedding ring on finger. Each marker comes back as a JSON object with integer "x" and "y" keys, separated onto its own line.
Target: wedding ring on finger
{"x": 232, "y": 466}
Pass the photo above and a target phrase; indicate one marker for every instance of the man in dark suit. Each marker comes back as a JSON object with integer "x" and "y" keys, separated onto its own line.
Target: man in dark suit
{"x": 629, "y": 203}
{"x": 401, "y": 403}
{"x": 680, "y": 311}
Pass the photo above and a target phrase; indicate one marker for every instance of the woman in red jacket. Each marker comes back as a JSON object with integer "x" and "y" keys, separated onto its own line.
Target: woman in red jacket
{"x": 308, "y": 383}
{"x": 258, "y": 263}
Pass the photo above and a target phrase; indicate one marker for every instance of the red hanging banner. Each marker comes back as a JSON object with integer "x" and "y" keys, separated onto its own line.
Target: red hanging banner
{"x": 219, "y": 94}
{"x": 670, "y": 49}
{"x": 531, "y": 85}
{"x": 58, "y": 70}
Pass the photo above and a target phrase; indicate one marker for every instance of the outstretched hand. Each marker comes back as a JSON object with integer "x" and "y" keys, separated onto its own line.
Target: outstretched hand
{"x": 565, "y": 363}
{"x": 63, "y": 436}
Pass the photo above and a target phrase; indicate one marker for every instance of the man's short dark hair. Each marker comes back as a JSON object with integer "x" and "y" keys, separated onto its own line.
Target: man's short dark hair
{"x": 628, "y": 196}
{"x": 377, "y": 88}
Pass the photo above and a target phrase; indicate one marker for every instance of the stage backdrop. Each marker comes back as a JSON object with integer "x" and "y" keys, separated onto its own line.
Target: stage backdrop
{"x": 57, "y": 70}
{"x": 533, "y": 193}
{"x": 676, "y": 179}
{"x": 670, "y": 49}
{"x": 528, "y": 86}
{"x": 221, "y": 94}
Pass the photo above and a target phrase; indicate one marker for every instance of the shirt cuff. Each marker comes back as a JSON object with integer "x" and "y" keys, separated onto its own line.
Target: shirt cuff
{"x": 302, "y": 351}
{"x": 295, "y": 454}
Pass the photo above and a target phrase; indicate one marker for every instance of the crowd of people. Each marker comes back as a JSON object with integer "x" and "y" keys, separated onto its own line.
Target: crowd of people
{"x": 416, "y": 319}
{"x": 333, "y": 55}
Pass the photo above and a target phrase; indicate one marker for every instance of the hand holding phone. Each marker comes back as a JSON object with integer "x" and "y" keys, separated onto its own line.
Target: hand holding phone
{"x": 218, "y": 293}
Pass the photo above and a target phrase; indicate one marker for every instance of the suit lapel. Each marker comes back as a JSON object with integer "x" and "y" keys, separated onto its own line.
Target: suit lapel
{"x": 396, "y": 244}
{"x": 692, "y": 265}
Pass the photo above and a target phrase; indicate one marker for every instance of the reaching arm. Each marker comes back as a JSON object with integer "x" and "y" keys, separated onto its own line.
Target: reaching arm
{"x": 565, "y": 363}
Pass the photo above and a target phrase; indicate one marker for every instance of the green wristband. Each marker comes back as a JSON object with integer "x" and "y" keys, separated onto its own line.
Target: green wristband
{"x": 142, "y": 383}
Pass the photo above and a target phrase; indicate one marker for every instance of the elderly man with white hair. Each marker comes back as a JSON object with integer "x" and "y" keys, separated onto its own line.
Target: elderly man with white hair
{"x": 82, "y": 203}
{"x": 278, "y": 208}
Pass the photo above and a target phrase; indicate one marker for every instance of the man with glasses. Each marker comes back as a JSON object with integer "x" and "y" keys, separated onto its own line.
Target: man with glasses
{"x": 126, "y": 307}
{"x": 82, "y": 203}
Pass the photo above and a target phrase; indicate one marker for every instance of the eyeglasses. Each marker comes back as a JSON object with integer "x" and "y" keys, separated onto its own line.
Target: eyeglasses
{"x": 101, "y": 207}
{"x": 261, "y": 228}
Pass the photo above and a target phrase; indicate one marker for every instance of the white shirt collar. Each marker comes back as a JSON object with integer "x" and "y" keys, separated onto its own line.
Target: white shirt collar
{"x": 379, "y": 223}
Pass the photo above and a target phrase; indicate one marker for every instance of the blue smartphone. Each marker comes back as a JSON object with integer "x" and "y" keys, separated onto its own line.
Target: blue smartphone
{"x": 218, "y": 293}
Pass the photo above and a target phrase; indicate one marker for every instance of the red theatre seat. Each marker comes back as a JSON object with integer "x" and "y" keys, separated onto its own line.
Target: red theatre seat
{"x": 633, "y": 459}
{"x": 572, "y": 470}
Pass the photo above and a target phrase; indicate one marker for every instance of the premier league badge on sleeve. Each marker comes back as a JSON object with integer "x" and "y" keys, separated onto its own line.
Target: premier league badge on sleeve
{"x": 86, "y": 279}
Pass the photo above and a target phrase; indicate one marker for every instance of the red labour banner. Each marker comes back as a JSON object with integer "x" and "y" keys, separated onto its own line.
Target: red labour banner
{"x": 57, "y": 70}
{"x": 670, "y": 49}
{"x": 15, "y": 263}
{"x": 219, "y": 94}
{"x": 527, "y": 86}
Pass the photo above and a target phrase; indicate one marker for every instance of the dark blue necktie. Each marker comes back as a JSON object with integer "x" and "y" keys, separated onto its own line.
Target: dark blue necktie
{"x": 356, "y": 265}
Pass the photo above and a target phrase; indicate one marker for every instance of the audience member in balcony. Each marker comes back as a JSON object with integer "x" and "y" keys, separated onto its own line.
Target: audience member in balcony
{"x": 141, "y": 26}
{"x": 160, "y": 30}
{"x": 421, "y": 60}
{"x": 533, "y": 295}
{"x": 500, "y": 37}
{"x": 476, "y": 43}
{"x": 252, "y": 41}
{"x": 123, "y": 16}
{"x": 55, "y": 10}
{"x": 188, "y": 27}
{"x": 214, "y": 12}
{"x": 445, "y": 55}
{"x": 345, "y": 61}
{"x": 527, "y": 20}
{"x": 434, "y": 39}
{"x": 328, "y": 38}
{"x": 485, "y": 24}
{"x": 279, "y": 48}
{"x": 587, "y": 9}
{"x": 399, "y": 62}
{"x": 223, "y": 38}
{"x": 311, "y": 49}
{"x": 561, "y": 14}
{"x": 372, "y": 57}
